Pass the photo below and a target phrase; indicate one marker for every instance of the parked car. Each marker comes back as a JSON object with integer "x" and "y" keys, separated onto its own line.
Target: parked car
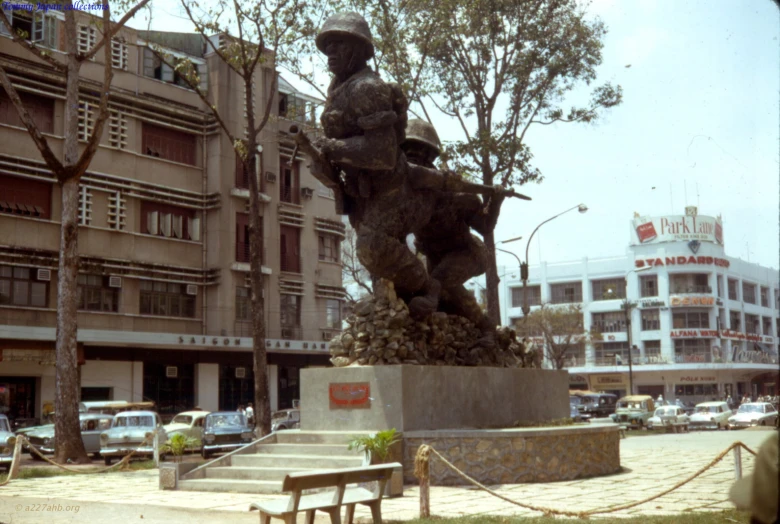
{"x": 634, "y": 411}
{"x": 754, "y": 414}
{"x": 225, "y": 431}
{"x": 128, "y": 432}
{"x": 92, "y": 425}
{"x": 668, "y": 415}
{"x": 711, "y": 415}
{"x": 592, "y": 404}
{"x": 7, "y": 442}
{"x": 286, "y": 419}
{"x": 189, "y": 424}
{"x": 574, "y": 413}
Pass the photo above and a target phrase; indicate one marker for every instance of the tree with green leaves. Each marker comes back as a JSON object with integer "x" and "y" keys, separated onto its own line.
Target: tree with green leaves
{"x": 253, "y": 34}
{"x": 561, "y": 330}
{"x": 497, "y": 69}
{"x": 68, "y": 171}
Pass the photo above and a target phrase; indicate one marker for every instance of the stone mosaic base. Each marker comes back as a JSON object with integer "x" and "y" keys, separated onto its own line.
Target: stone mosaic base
{"x": 511, "y": 456}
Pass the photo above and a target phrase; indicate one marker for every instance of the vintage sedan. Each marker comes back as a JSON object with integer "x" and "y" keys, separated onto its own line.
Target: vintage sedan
{"x": 286, "y": 419}
{"x": 666, "y": 415}
{"x": 92, "y": 425}
{"x": 188, "y": 423}
{"x": 7, "y": 443}
{"x": 131, "y": 431}
{"x": 225, "y": 431}
{"x": 711, "y": 415}
{"x": 754, "y": 414}
{"x": 592, "y": 404}
{"x": 634, "y": 410}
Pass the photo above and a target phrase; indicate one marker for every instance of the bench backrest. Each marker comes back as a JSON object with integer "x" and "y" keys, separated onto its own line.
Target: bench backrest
{"x": 337, "y": 477}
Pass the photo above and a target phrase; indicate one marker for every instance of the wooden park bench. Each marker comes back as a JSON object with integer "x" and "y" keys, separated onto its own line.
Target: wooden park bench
{"x": 329, "y": 502}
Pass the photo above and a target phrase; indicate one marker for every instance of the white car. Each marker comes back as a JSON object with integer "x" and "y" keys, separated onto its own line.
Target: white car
{"x": 188, "y": 423}
{"x": 667, "y": 415}
{"x": 754, "y": 414}
{"x": 711, "y": 415}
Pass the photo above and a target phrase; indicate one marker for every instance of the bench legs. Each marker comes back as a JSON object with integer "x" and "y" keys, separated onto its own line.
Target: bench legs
{"x": 376, "y": 512}
{"x": 349, "y": 516}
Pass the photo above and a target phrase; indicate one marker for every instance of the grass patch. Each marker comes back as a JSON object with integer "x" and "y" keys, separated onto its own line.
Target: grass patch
{"x": 37, "y": 472}
{"x": 709, "y": 517}
{"x": 545, "y": 424}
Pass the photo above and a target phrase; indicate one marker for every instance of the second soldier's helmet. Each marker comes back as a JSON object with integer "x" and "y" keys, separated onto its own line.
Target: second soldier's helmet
{"x": 421, "y": 131}
{"x": 351, "y": 24}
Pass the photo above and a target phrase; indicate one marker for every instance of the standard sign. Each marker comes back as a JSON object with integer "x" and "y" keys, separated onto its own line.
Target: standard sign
{"x": 349, "y": 395}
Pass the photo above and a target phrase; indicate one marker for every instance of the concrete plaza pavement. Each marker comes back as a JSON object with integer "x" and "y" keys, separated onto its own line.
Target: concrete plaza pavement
{"x": 650, "y": 463}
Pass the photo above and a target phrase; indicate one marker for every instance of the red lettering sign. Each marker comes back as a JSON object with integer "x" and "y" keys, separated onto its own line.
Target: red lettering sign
{"x": 349, "y": 395}
{"x": 646, "y": 232}
{"x": 681, "y": 261}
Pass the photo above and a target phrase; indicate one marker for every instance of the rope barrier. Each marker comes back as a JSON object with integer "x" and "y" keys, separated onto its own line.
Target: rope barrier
{"x": 422, "y": 466}
{"x": 17, "y": 457}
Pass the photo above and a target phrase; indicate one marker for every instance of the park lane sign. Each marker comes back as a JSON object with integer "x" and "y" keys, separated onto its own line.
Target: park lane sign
{"x": 674, "y": 228}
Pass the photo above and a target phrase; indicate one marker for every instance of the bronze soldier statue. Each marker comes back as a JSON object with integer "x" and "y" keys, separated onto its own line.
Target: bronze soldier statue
{"x": 364, "y": 121}
{"x": 454, "y": 254}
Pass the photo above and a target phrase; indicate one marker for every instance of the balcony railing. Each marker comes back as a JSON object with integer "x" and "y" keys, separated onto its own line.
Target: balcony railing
{"x": 290, "y": 195}
{"x": 242, "y": 252}
{"x": 291, "y": 263}
{"x": 685, "y": 288}
{"x": 609, "y": 326}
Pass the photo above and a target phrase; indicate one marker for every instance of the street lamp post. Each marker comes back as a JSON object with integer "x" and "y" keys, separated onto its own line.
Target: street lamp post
{"x": 582, "y": 208}
{"x": 627, "y": 309}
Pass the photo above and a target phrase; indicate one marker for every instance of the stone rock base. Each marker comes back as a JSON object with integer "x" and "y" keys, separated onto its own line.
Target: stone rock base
{"x": 517, "y": 455}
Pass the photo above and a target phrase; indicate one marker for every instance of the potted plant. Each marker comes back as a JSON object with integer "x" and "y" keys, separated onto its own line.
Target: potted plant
{"x": 170, "y": 472}
{"x": 378, "y": 448}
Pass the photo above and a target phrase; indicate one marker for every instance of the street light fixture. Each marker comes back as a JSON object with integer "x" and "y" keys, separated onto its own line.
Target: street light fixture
{"x": 582, "y": 208}
{"x": 627, "y": 310}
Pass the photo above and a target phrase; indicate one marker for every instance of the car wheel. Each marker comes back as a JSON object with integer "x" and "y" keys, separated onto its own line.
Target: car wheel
{"x": 763, "y": 422}
{"x": 96, "y": 455}
{"x": 205, "y": 454}
{"x": 107, "y": 460}
{"x": 640, "y": 424}
{"x": 718, "y": 428}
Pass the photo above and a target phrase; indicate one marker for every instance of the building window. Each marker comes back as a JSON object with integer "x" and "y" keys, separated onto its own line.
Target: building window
{"x": 690, "y": 319}
{"x": 20, "y": 287}
{"x": 609, "y": 289}
{"x": 699, "y": 390}
{"x": 96, "y": 295}
{"x": 649, "y": 285}
{"x": 242, "y": 175}
{"x": 292, "y": 107}
{"x": 652, "y": 349}
{"x": 243, "y": 304}
{"x": 25, "y": 197}
{"x": 749, "y": 292}
{"x": 35, "y": 25}
{"x": 329, "y": 248}
{"x": 650, "y": 320}
{"x": 40, "y": 108}
{"x": 766, "y": 326}
{"x": 333, "y": 314}
{"x": 157, "y": 68}
{"x": 242, "y": 237}
{"x": 689, "y": 283}
{"x": 735, "y": 320}
{"x": 610, "y": 322}
{"x": 764, "y": 296}
{"x": 118, "y": 54}
{"x": 170, "y": 144}
{"x": 290, "y": 245}
{"x": 692, "y": 350}
{"x": 568, "y": 293}
{"x": 86, "y": 120}
{"x": 117, "y": 129}
{"x": 532, "y": 293}
{"x": 290, "y": 315}
{"x": 289, "y": 188}
{"x": 720, "y": 286}
{"x": 752, "y": 324}
{"x": 614, "y": 354}
{"x": 733, "y": 289}
{"x": 166, "y": 299}
{"x": 169, "y": 221}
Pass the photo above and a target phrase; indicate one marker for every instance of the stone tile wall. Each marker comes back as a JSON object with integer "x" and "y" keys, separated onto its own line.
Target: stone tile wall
{"x": 516, "y": 456}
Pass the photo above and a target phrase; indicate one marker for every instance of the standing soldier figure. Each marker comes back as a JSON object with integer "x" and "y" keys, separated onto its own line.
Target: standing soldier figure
{"x": 454, "y": 254}
{"x": 364, "y": 120}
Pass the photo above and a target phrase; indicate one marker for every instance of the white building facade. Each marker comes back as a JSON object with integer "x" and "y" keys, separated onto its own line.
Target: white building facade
{"x": 703, "y": 325}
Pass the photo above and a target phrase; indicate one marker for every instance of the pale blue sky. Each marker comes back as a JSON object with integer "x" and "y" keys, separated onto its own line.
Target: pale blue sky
{"x": 701, "y": 115}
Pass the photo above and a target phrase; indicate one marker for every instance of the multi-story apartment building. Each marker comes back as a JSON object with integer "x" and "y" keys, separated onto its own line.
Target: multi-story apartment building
{"x": 702, "y": 324}
{"x": 164, "y": 299}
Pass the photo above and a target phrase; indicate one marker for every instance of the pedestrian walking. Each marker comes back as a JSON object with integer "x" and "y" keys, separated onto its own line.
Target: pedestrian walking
{"x": 250, "y": 414}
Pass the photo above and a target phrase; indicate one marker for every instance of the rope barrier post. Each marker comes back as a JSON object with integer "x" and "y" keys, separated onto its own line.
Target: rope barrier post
{"x": 16, "y": 462}
{"x": 156, "y": 440}
{"x": 422, "y": 470}
{"x": 737, "y": 462}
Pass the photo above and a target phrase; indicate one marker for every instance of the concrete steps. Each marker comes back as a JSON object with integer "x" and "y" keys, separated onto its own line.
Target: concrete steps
{"x": 261, "y": 467}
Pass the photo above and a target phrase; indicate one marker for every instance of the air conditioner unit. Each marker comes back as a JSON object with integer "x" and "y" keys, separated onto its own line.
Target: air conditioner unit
{"x": 171, "y": 372}
{"x": 270, "y": 177}
{"x": 192, "y": 289}
{"x": 44, "y": 275}
{"x": 240, "y": 372}
{"x": 114, "y": 281}
{"x": 307, "y": 192}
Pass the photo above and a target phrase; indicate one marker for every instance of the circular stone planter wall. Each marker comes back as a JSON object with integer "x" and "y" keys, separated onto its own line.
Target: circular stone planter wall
{"x": 514, "y": 456}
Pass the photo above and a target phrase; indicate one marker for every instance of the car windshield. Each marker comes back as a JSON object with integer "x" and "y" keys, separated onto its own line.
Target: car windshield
{"x": 588, "y": 400}
{"x": 750, "y": 408}
{"x": 660, "y": 412}
{"x": 226, "y": 420}
{"x": 279, "y": 414}
{"x": 706, "y": 409}
{"x": 137, "y": 421}
{"x": 182, "y": 419}
{"x": 575, "y": 400}
{"x": 4, "y": 425}
{"x": 630, "y": 405}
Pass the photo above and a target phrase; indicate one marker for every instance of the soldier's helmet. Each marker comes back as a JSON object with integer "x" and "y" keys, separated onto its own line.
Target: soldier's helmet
{"x": 421, "y": 131}
{"x": 351, "y": 24}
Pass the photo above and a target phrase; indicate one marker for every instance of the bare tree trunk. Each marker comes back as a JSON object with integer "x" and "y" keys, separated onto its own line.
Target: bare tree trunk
{"x": 492, "y": 280}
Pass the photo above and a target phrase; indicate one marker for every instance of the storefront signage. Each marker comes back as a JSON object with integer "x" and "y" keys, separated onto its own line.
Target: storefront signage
{"x": 652, "y": 303}
{"x": 677, "y": 301}
{"x": 349, "y": 395}
{"x": 209, "y": 341}
{"x": 752, "y": 337}
{"x": 698, "y": 379}
{"x": 605, "y": 381}
{"x": 654, "y": 230}
{"x": 682, "y": 261}
{"x": 43, "y": 357}
{"x": 694, "y": 333}
{"x": 577, "y": 379}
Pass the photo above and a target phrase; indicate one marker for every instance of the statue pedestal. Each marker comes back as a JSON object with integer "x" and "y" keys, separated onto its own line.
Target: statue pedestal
{"x": 414, "y": 398}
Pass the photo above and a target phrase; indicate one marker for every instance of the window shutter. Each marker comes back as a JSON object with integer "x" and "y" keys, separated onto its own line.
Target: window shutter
{"x": 50, "y": 32}
{"x": 165, "y": 224}
{"x": 167, "y": 73}
{"x": 149, "y": 62}
{"x": 152, "y": 222}
{"x": 178, "y": 226}
{"x": 203, "y": 72}
{"x": 39, "y": 19}
{"x": 9, "y": 14}
{"x": 118, "y": 54}
{"x": 193, "y": 228}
